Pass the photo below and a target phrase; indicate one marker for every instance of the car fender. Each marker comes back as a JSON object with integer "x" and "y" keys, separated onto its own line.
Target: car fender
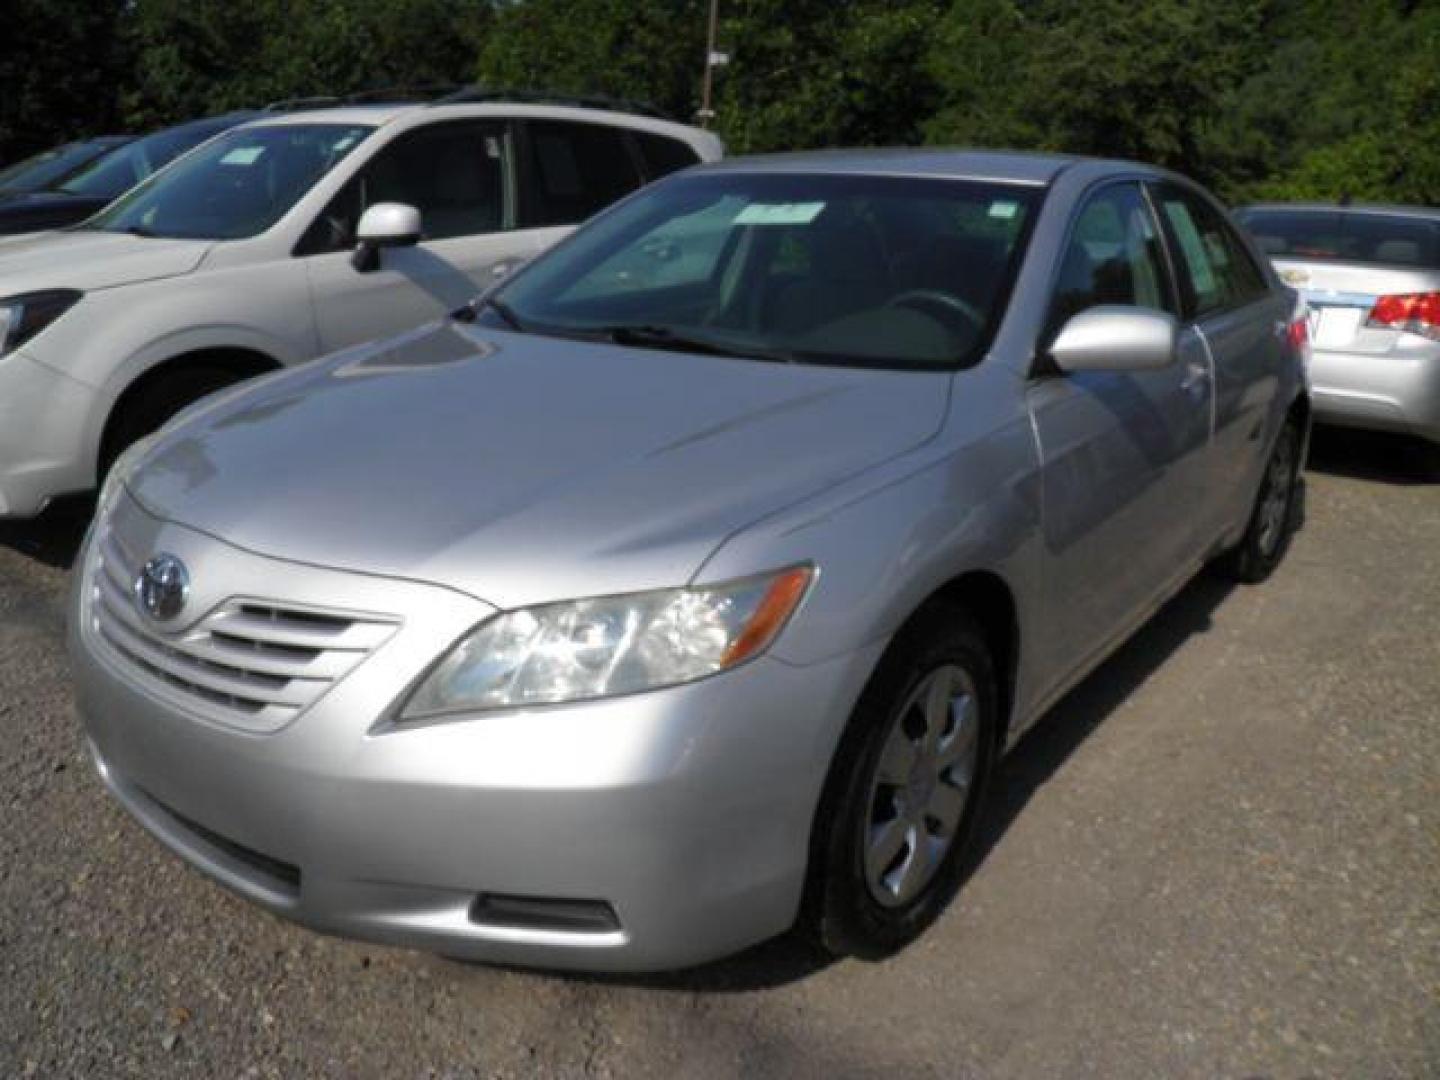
{"x": 886, "y": 541}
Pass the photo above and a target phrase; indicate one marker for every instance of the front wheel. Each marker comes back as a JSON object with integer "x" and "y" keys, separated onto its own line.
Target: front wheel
{"x": 154, "y": 403}
{"x": 904, "y": 791}
{"x": 1276, "y": 514}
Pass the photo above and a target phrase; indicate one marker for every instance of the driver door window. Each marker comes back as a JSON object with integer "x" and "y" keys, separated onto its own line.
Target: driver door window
{"x": 457, "y": 174}
{"x": 1113, "y": 257}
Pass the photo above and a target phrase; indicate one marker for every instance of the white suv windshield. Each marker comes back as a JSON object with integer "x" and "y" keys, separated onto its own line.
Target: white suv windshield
{"x": 236, "y": 186}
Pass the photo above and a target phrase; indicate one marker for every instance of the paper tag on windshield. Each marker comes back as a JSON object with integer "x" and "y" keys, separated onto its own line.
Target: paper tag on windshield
{"x": 243, "y": 155}
{"x": 798, "y": 213}
{"x": 1004, "y": 210}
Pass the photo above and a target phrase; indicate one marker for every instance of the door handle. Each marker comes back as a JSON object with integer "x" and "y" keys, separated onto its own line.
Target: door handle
{"x": 1196, "y": 375}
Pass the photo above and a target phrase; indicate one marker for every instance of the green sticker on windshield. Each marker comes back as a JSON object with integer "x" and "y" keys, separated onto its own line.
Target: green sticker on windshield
{"x": 1004, "y": 209}
{"x": 243, "y": 155}
{"x": 801, "y": 213}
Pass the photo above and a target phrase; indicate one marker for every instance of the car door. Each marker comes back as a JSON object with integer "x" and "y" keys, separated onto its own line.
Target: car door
{"x": 1124, "y": 453}
{"x": 460, "y": 176}
{"x": 1244, "y": 323}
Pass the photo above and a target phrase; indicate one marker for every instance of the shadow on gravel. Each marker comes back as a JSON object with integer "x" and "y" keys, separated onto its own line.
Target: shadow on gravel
{"x": 54, "y": 537}
{"x": 1374, "y": 455}
{"x": 1057, "y": 735}
{"x": 1037, "y": 757}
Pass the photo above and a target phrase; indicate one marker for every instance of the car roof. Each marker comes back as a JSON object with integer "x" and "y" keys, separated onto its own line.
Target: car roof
{"x": 1000, "y": 165}
{"x": 378, "y": 115}
{"x": 1427, "y": 212}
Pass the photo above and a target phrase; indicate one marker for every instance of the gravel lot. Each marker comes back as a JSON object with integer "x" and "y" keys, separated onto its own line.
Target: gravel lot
{"x": 1220, "y": 858}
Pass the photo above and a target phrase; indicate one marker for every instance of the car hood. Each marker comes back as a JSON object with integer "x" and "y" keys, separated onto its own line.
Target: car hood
{"x": 88, "y": 259}
{"x": 522, "y": 469}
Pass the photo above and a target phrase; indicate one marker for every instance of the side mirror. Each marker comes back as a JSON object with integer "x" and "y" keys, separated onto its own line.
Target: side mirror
{"x": 384, "y": 225}
{"x": 1116, "y": 338}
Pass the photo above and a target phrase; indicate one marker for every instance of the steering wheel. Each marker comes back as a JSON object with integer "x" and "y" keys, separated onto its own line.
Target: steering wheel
{"x": 942, "y": 305}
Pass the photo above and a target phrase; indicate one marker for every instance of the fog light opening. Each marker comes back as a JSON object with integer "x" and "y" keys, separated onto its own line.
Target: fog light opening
{"x": 544, "y": 913}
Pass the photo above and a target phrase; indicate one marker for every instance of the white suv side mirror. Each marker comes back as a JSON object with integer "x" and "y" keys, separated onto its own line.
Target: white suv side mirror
{"x": 384, "y": 225}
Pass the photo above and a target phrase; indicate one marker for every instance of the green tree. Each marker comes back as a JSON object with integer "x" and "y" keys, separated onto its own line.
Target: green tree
{"x": 649, "y": 52}
{"x": 59, "y": 63}
{"x": 813, "y": 73}
{"x": 203, "y": 56}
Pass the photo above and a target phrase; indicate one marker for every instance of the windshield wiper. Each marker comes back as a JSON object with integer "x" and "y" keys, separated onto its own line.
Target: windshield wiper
{"x": 471, "y": 311}
{"x": 663, "y": 337}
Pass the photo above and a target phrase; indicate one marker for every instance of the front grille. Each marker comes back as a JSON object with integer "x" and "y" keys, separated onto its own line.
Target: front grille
{"x": 255, "y": 663}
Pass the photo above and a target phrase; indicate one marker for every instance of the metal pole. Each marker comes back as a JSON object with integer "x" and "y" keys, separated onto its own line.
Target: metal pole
{"x": 706, "y": 112}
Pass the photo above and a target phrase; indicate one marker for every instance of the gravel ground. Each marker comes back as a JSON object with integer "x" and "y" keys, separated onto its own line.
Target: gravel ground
{"x": 1220, "y": 858}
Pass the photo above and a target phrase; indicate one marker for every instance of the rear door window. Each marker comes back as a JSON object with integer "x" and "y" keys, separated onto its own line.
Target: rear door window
{"x": 572, "y": 171}
{"x": 1216, "y": 272}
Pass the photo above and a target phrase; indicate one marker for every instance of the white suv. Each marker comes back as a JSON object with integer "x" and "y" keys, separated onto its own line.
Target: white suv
{"x": 280, "y": 241}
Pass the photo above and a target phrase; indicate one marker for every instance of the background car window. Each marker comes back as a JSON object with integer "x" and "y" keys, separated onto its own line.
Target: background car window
{"x": 1113, "y": 257}
{"x": 664, "y": 155}
{"x": 1296, "y": 234}
{"x": 454, "y": 174}
{"x": 1386, "y": 239}
{"x": 1391, "y": 241}
{"x": 236, "y": 186}
{"x": 117, "y": 172}
{"x": 1216, "y": 272}
{"x": 45, "y": 168}
{"x": 573, "y": 171}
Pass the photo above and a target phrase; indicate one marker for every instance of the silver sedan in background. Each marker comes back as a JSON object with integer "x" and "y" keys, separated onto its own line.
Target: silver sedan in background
{"x": 1371, "y": 278}
{"x": 689, "y": 585}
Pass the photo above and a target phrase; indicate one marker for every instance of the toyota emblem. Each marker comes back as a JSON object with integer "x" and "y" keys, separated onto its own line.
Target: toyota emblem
{"x": 162, "y": 587}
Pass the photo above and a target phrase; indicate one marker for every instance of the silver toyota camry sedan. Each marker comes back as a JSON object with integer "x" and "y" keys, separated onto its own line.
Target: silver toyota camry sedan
{"x": 688, "y": 586}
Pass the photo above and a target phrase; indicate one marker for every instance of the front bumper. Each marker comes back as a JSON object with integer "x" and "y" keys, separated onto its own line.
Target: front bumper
{"x": 44, "y": 423}
{"x": 1396, "y": 390}
{"x": 686, "y": 812}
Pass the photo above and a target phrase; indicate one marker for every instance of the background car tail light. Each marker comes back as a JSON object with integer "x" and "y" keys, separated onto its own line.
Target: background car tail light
{"x": 1418, "y": 313}
{"x": 1299, "y": 332}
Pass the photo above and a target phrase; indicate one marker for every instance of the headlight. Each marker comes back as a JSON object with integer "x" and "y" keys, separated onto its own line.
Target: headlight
{"x": 598, "y": 648}
{"x": 22, "y": 317}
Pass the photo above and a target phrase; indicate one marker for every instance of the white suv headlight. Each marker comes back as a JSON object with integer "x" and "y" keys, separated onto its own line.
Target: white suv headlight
{"x": 587, "y": 649}
{"x": 22, "y": 317}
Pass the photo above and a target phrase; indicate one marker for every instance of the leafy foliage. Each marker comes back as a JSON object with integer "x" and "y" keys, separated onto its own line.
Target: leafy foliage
{"x": 58, "y": 59}
{"x": 1273, "y": 98}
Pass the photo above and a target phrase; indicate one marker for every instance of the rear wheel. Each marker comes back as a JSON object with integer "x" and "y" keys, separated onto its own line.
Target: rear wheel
{"x": 904, "y": 791}
{"x": 1276, "y": 514}
{"x": 149, "y": 406}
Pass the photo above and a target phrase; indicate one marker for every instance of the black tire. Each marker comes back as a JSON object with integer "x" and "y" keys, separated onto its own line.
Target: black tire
{"x": 842, "y": 911}
{"x": 1427, "y": 458}
{"x": 1267, "y": 536}
{"x": 153, "y": 404}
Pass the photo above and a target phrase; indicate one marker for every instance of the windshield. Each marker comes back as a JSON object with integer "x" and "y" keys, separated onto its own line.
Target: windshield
{"x": 869, "y": 270}
{"x": 1387, "y": 239}
{"x": 36, "y": 172}
{"x": 235, "y": 186}
{"x": 117, "y": 172}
